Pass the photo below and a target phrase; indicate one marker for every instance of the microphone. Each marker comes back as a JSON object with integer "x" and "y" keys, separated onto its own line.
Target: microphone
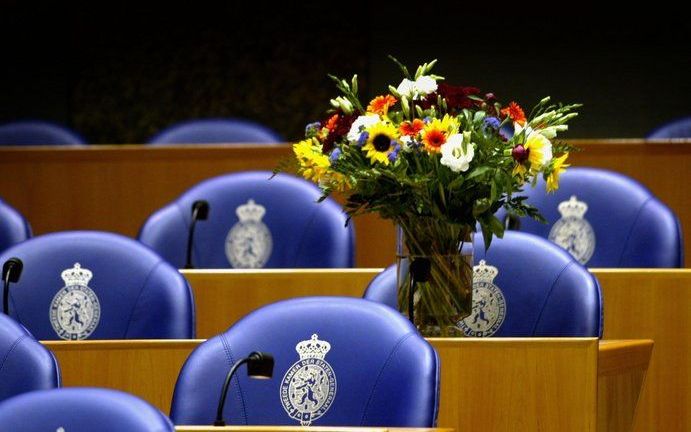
{"x": 11, "y": 271}
{"x": 200, "y": 211}
{"x": 259, "y": 365}
{"x": 420, "y": 270}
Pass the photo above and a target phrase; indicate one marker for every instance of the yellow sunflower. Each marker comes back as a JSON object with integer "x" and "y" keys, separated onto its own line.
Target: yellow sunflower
{"x": 313, "y": 163}
{"x": 380, "y": 142}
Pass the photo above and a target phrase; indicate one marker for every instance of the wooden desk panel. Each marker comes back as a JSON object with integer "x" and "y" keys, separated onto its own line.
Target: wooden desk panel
{"x": 486, "y": 384}
{"x": 650, "y": 304}
{"x": 115, "y": 188}
{"x": 303, "y": 429}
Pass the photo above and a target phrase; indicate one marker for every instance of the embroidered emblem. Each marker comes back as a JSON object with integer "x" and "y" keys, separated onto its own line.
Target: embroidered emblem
{"x": 489, "y": 304}
{"x": 309, "y": 387}
{"x": 572, "y": 231}
{"x": 249, "y": 244}
{"x": 75, "y": 310}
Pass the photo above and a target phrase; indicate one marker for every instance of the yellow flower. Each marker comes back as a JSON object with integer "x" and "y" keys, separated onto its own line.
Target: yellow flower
{"x": 437, "y": 131}
{"x": 313, "y": 163}
{"x": 380, "y": 142}
{"x": 558, "y": 168}
{"x": 539, "y": 150}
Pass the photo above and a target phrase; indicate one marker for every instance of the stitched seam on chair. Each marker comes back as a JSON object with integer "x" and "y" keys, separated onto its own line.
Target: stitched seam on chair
{"x": 549, "y": 294}
{"x": 229, "y": 356}
{"x": 628, "y": 236}
{"x": 381, "y": 372}
{"x": 7, "y": 355}
{"x": 139, "y": 296}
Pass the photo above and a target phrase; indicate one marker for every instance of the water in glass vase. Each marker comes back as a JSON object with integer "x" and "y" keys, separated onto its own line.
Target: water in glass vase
{"x": 435, "y": 259}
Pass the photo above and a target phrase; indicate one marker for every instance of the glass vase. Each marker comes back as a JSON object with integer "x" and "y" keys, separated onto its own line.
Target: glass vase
{"x": 435, "y": 259}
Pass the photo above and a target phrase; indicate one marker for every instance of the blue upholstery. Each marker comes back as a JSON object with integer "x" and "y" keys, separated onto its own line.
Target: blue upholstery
{"x": 22, "y": 133}
{"x": 25, "y": 364}
{"x": 680, "y": 128}
{"x": 384, "y": 372}
{"x": 546, "y": 292}
{"x": 631, "y": 227}
{"x": 81, "y": 409}
{"x": 216, "y": 131}
{"x": 132, "y": 292}
{"x": 13, "y": 227}
{"x": 295, "y": 230}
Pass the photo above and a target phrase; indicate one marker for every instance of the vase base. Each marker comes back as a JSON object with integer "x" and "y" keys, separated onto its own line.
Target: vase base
{"x": 436, "y": 331}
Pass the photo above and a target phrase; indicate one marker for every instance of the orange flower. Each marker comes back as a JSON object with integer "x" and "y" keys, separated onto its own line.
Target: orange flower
{"x": 331, "y": 123}
{"x": 411, "y": 129}
{"x": 433, "y": 140}
{"x": 380, "y": 104}
{"x": 515, "y": 112}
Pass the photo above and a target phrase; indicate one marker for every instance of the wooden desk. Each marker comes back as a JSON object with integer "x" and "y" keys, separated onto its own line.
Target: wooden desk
{"x": 303, "y": 429}
{"x": 564, "y": 385}
{"x": 650, "y": 304}
{"x": 118, "y": 187}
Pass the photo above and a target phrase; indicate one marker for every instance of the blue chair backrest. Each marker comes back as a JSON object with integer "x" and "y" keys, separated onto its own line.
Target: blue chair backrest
{"x": 25, "y": 364}
{"x": 81, "y": 409}
{"x": 339, "y": 361}
{"x": 532, "y": 289}
{"x": 254, "y": 222}
{"x": 680, "y": 128}
{"x": 606, "y": 219}
{"x": 28, "y": 133}
{"x": 216, "y": 131}
{"x": 96, "y": 285}
{"x": 14, "y": 228}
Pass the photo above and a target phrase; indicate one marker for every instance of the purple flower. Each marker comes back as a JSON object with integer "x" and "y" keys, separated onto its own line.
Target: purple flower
{"x": 312, "y": 129}
{"x": 363, "y": 137}
{"x": 394, "y": 154}
{"x": 492, "y": 122}
{"x": 335, "y": 155}
{"x": 520, "y": 153}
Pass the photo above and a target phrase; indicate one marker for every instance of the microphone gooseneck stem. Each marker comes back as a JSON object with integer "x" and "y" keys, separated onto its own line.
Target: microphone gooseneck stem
{"x": 224, "y": 392}
{"x": 411, "y": 293}
{"x": 6, "y": 294}
{"x": 190, "y": 238}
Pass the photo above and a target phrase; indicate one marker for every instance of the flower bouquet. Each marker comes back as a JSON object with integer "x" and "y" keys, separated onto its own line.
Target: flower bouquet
{"x": 438, "y": 160}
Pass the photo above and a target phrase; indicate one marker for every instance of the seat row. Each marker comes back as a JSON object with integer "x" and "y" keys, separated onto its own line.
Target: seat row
{"x": 217, "y": 130}
{"x": 247, "y": 220}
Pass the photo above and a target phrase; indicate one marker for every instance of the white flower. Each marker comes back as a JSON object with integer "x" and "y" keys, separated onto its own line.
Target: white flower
{"x": 361, "y": 123}
{"x": 453, "y": 156}
{"x": 414, "y": 89}
{"x": 425, "y": 85}
{"x": 406, "y": 88}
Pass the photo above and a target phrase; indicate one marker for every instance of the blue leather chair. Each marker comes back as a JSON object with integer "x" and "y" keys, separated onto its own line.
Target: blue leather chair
{"x": 205, "y": 131}
{"x": 25, "y": 364}
{"x": 253, "y": 222}
{"x": 339, "y": 362}
{"x": 28, "y": 133}
{"x": 14, "y": 228}
{"x": 607, "y": 219}
{"x": 81, "y": 409}
{"x": 532, "y": 289}
{"x": 680, "y": 128}
{"x": 97, "y": 285}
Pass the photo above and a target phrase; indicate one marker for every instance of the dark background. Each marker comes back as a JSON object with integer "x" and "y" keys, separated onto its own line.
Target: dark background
{"x": 119, "y": 72}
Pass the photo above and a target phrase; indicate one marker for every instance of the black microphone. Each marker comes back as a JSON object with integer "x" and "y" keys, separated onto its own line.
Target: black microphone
{"x": 259, "y": 365}
{"x": 11, "y": 271}
{"x": 200, "y": 211}
{"x": 420, "y": 270}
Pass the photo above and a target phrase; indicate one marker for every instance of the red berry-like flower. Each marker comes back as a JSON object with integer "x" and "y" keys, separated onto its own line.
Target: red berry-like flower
{"x": 520, "y": 154}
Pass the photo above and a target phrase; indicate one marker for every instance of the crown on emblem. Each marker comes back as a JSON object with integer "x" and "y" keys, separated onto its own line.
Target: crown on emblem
{"x": 484, "y": 273}
{"x": 250, "y": 211}
{"x": 313, "y": 348}
{"x": 76, "y": 276}
{"x": 573, "y": 207}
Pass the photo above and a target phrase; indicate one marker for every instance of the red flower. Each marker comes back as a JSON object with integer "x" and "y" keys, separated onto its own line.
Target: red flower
{"x": 338, "y": 126}
{"x": 411, "y": 129}
{"x": 515, "y": 112}
{"x": 457, "y": 96}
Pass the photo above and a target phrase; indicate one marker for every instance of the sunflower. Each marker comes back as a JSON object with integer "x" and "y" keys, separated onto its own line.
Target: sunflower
{"x": 557, "y": 168}
{"x": 381, "y": 141}
{"x": 313, "y": 163}
{"x": 437, "y": 131}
